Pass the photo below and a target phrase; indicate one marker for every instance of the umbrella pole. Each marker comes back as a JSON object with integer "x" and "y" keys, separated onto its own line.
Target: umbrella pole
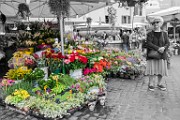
{"x": 174, "y": 28}
{"x": 62, "y": 40}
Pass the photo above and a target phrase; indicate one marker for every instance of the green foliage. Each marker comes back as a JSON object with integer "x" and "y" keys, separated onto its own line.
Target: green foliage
{"x": 28, "y": 86}
{"x": 34, "y": 75}
{"x": 49, "y": 83}
{"x": 58, "y": 89}
{"x": 64, "y": 79}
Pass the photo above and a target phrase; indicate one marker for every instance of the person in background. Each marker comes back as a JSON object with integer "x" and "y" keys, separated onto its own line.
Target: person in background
{"x": 74, "y": 34}
{"x": 125, "y": 39}
{"x": 157, "y": 40}
{"x": 132, "y": 39}
{"x": 104, "y": 35}
{"x": 117, "y": 37}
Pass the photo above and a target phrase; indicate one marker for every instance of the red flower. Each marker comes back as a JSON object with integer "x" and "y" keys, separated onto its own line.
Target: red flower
{"x": 35, "y": 56}
{"x": 72, "y": 58}
{"x": 52, "y": 51}
{"x": 60, "y": 55}
{"x": 83, "y": 59}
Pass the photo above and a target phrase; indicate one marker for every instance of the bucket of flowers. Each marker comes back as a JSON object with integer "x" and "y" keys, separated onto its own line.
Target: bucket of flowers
{"x": 75, "y": 63}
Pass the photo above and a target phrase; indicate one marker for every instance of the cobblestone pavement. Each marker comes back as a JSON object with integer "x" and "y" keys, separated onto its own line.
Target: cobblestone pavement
{"x": 129, "y": 100}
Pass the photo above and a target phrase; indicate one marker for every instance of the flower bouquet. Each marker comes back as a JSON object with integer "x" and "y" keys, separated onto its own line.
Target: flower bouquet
{"x": 75, "y": 61}
{"x": 30, "y": 61}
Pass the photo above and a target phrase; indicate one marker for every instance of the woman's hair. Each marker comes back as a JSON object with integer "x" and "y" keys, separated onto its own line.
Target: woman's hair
{"x": 157, "y": 19}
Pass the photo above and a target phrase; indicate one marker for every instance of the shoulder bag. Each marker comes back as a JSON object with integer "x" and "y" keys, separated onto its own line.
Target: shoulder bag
{"x": 154, "y": 54}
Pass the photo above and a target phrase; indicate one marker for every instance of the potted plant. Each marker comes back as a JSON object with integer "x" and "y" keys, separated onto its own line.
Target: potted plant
{"x": 75, "y": 63}
{"x": 23, "y": 10}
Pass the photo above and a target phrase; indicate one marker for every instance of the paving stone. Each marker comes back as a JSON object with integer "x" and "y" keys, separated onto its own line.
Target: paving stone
{"x": 77, "y": 114}
{"x": 92, "y": 118}
{"x": 20, "y": 116}
{"x": 103, "y": 116}
{"x": 34, "y": 119}
{"x": 100, "y": 119}
{"x": 15, "y": 119}
{"x": 73, "y": 118}
{"x": 82, "y": 119}
{"x": 85, "y": 116}
{"x": 96, "y": 114}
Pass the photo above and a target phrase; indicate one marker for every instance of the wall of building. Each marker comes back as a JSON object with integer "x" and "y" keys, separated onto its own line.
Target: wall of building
{"x": 99, "y": 15}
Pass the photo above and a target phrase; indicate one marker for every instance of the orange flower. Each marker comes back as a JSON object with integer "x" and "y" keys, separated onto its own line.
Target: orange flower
{"x": 98, "y": 66}
{"x": 103, "y": 63}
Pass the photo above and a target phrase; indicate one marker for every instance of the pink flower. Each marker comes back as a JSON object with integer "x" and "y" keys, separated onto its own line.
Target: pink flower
{"x": 72, "y": 86}
{"x": 67, "y": 61}
{"x": 77, "y": 86}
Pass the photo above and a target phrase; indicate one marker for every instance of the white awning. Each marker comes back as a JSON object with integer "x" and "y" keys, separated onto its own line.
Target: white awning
{"x": 167, "y": 14}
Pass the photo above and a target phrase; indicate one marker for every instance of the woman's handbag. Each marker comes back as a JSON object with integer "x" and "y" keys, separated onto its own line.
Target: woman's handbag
{"x": 154, "y": 54}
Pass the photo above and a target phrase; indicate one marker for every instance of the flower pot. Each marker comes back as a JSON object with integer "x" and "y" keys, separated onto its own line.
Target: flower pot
{"x": 102, "y": 100}
{"x": 132, "y": 77}
{"x": 92, "y": 105}
{"x": 121, "y": 75}
{"x": 76, "y": 73}
{"x": 45, "y": 69}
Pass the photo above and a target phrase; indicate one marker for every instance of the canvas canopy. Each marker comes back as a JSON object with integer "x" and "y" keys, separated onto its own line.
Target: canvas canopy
{"x": 167, "y": 14}
{"x": 40, "y": 8}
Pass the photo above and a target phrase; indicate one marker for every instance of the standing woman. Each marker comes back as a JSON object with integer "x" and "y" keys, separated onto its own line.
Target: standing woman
{"x": 157, "y": 40}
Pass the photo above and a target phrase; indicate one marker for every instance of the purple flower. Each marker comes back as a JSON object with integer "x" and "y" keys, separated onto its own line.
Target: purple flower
{"x": 73, "y": 86}
{"x": 77, "y": 86}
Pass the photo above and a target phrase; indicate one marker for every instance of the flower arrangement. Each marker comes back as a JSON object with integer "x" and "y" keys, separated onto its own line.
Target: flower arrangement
{"x": 75, "y": 61}
{"x": 53, "y": 59}
{"x": 21, "y": 58}
{"x": 17, "y": 96}
{"x": 30, "y": 61}
{"x": 18, "y": 73}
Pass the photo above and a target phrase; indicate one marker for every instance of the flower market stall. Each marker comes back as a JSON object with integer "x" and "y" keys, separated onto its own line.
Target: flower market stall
{"x": 37, "y": 83}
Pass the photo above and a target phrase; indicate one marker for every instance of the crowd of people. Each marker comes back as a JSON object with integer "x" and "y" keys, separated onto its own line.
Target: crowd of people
{"x": 129, "y": 39}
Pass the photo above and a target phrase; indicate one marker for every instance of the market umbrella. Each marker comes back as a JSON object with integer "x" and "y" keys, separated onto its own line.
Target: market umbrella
{"x": 40, "y": 8}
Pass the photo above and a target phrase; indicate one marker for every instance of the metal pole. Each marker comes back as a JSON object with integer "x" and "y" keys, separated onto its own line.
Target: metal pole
{"x": 61, "y": 33}
{"x": 62, "y": 40}
{"x": 174, "y": 33}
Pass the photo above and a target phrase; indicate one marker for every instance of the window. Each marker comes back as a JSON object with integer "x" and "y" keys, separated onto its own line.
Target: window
{"x": 106, "y": 18}
{"x": 126, "y": 19}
